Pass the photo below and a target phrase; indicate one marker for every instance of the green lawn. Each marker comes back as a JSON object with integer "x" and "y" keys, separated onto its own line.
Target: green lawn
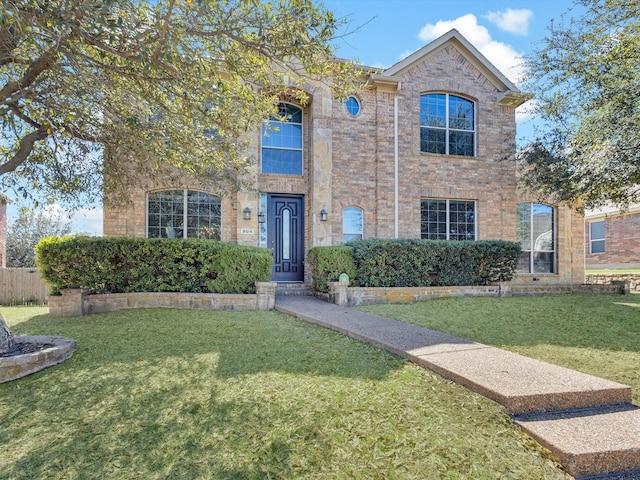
{"x": 596, "y": 334}
{"x": 172, "y": 394}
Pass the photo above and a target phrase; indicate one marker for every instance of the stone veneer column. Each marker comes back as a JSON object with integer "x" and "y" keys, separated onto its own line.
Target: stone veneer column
{"x": 338, "y": 293}
{"x": 70, "y": 304}
{"x": 321, "y": 171}
{"x": 266, "y": 293}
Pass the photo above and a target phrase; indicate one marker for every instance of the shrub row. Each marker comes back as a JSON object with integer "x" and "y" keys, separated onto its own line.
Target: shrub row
{"x": 327, "y": 263}
{"x": 122, "y": 265}
{"x": 416, "y": 263}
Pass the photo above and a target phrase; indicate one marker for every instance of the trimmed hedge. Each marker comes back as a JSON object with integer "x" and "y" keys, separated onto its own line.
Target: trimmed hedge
{"x": 123, "y": 265}
{"x": 327, "y": 263}
{"x": 418, "y": 263}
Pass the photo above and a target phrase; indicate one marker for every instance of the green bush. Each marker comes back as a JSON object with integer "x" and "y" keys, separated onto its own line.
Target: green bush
{"x": 394, "y": 263}
{"x": 327, "y": 263}
{"x": 121, "y": 265}
{"x": 415, "y": 263}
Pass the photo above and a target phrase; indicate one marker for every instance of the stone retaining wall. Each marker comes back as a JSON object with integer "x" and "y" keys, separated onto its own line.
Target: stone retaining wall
{"x": 602, "y": 279}
{"x": 76, "y": 302}
{"x": 341, "y": 294}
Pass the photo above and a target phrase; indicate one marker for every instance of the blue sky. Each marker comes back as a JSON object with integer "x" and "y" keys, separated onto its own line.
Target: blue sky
{"x": 382, "y": 32}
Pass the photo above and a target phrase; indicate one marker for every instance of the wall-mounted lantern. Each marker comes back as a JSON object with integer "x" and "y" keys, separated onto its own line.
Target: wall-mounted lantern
{"x": 323, "y": 215}
{"x": 246, "y": 214}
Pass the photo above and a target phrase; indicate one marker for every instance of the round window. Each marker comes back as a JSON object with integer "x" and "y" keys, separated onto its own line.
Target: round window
{"x": 353, "y": 106}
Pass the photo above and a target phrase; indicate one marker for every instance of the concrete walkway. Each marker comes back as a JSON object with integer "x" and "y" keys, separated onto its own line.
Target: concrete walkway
{"x": 589, "y": 423}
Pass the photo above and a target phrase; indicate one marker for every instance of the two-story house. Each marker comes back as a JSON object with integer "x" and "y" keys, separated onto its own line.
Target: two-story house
{"x": 424, "y": 150}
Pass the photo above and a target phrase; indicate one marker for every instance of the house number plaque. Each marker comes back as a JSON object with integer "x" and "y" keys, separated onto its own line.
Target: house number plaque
{"x": 247, "y": 231}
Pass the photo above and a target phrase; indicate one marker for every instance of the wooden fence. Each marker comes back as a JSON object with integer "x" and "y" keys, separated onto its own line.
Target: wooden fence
{"x": 22, "y": 286}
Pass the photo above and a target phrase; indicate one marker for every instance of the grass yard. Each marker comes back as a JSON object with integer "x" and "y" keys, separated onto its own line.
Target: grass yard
{"x": 173, "y": 394}
{"x": 596, "y": 334}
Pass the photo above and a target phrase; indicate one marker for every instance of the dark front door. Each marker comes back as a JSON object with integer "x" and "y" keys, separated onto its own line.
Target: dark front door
{"x": 285, "y": 237}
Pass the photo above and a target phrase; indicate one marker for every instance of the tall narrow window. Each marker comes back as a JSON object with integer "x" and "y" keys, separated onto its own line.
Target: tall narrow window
{"x": 352, "y": 224}
{"x": 536, "y": 234}
{"x": 282, "y": 142}
{"x": 183, "y": 214}
{"x": 596, "y": 237}
{"x": 447, "y": 124}
{"x": 447, "y": 219}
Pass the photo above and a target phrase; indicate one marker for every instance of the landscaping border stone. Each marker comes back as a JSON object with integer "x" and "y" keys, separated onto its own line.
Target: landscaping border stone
{"x": 77, "y": 302}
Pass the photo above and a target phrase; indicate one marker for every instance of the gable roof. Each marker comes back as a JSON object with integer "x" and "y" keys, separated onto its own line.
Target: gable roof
{"x": 510, "y": 94}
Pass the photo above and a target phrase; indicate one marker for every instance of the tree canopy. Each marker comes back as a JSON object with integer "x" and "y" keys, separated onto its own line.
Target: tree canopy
{"x": 29, "y": 227}
{"x": 586, "y": 80}
{"x": 120, "y": 89}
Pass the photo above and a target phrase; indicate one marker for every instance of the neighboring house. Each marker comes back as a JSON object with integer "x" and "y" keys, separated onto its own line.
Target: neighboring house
{"x": 613, "y": 238}
{"x": 424, "y": 151}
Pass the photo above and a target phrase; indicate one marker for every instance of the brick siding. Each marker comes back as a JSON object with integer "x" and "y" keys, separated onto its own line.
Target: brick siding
{"x": 350, "y": 161}
{"x": 622, "y": 243}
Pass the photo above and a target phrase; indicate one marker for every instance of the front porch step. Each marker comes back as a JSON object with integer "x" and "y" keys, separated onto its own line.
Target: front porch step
{"x": 295, "y": 289}
{"x": 590, "y": 442}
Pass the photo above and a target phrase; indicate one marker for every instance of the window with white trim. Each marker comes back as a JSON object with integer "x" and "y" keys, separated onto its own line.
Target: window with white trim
{"x": 536, "y": 234}
{"x": 352, "y": 104}
{"x": 442, "y": 219}
{"x": 282, "y": 142}
{"x": 352, "y": 224}
{"x": 183, "y": 214}
{"x": 447, "y": 124}
{"x": 596, "y": 237}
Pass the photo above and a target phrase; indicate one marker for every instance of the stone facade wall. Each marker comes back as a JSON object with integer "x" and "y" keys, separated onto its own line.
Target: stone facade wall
{"x": 622, "y": 243}
{"x": 632, "y": 279}
{"x": 341, "y": 294}
{"x": 76, "y": 302}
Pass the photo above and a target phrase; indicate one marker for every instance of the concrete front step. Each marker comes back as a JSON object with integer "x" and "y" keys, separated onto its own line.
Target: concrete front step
{"x": 590, "y": 442}
{"x": 521, "y": 384}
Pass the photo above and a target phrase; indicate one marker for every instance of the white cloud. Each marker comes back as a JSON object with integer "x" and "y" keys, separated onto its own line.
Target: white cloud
{"x": 83, "y": 220}
{"x": 55, "y": 211}
{"x": 512, "y": 21}
{"x": 503, "y": 56}
{"x": 87, "y": 220}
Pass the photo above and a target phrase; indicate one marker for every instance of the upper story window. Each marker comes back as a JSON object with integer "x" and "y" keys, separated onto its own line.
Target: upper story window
{"x": 447, "y": 219}
{"x": 447, "y": 124}
{"x": 353, "y": 106}
{"x": 282, "y": 142}
{"x": 536, "y": 234}
{"x": 596, "y": 237}
{"x": 183, "y": 214}
{"x": 352, "y": 224}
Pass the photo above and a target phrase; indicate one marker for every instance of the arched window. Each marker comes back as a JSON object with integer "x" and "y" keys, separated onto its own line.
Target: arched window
{"x": 447, "y": 124}
{"x": 536, "y": 234}
{"x": 282, "y": 142}
{"x": 352, "y": 224}
{"x": 183, "y": 214}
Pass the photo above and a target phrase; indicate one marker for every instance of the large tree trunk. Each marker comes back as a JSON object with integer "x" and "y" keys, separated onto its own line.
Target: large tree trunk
{"x": 6, "y": 338}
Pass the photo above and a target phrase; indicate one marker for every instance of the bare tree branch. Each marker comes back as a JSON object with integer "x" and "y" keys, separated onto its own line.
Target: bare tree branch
{"x": 26, "y": 147}
{"x": 44, "y": 62}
